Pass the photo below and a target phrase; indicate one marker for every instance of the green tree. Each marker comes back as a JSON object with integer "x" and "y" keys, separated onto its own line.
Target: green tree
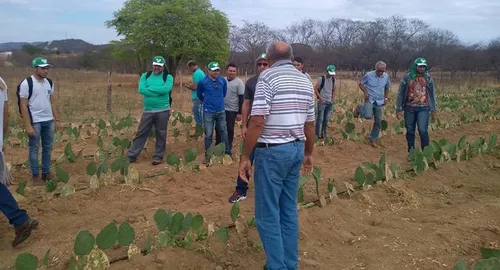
{"x": 176, "y": 29}
{"x": 31, "y": 50}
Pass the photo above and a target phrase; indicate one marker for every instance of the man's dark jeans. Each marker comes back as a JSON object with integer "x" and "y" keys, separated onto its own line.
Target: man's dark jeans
{"x": 218, "y": 120}
{"x": 9, "y": 207}
{"x": 149, "y": 119}
{"x": 230, "y": 121}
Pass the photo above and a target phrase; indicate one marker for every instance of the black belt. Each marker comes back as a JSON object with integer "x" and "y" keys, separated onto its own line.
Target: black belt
{"x": 267, "y": 145}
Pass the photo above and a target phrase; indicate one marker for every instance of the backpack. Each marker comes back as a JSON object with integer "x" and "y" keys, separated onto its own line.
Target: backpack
{"x": 165, "y": 75}
{"x": 29, "y": 80}
{"x": 323, "y": 82}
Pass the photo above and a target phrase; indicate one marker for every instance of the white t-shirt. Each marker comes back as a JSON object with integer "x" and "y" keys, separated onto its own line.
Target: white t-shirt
{"x": 39, "y": 103}
{"x": 3, "y": 102}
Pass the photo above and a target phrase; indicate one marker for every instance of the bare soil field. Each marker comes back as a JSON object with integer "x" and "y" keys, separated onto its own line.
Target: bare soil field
{"x": 428, "y": 221}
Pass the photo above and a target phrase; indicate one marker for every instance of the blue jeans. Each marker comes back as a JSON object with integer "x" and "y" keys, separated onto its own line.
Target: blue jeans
{"x": 242, "y": 186}
{"x": 324, "y": 113}
{"x": 417, "y": 117}
{"x": 372, "y": 111}
{"x": 197, "y": 111}
{"x": 45, "y": 132}
{"x": 277, "y": 172}
{"x": 218, "y": 120}
{"x": 10, "y": 209}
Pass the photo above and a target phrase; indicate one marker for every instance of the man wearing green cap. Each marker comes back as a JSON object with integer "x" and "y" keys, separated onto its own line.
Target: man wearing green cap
{"x": 38, "y": 109}
{"x": 417, "y": 98}
{"x": 156, "y": 87}
{"x": 325, "y": 93}
{"x": 262, "y": 64}
{"x": 375, "y": 86}
{"x": 211, "y": 91}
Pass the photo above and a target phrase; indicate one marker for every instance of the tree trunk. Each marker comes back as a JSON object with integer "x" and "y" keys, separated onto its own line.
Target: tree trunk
{"x": 172, "y": 65}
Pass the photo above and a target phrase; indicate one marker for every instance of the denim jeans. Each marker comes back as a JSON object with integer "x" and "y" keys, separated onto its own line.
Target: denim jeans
{"x": 197, "y": 111}
{"x": 211, "y": 120}
{"x": 417, "y": 117}
{"x": 9, "y": 207}
{"x": 323, "y": 115}
{"x": 372, "y": 111}
{"x": 149, "y": 119}
{"x": 242, "y": 186}
{"x": 230, "y": 122}
{"x": 277, "y": 172}
{"x": 45, "y": 132}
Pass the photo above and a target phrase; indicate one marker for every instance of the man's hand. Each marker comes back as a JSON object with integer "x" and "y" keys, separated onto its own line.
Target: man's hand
{"x": 244, "y": 130}
{"x": 58, "y": 125}
{"x": 399, "y": 115}
{"x": 30, "y": 131}
{"x": 245, "y": 168}
{"x": 321, "y": 100}
{"x": 307, "y": 164}
{"x": 238, "y": 117}
{"x": 433, "y": 116}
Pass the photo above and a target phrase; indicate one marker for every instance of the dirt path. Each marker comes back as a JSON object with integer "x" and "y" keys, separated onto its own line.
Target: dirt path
{"x": 427, "y": 222}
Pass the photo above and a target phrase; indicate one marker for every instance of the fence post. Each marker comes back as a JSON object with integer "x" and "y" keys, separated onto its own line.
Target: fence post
{"x": 108, "y": 100}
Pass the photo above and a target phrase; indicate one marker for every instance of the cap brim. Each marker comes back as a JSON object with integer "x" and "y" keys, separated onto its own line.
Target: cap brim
{"x": 44, "y": 65}
{"x": 331, "y": 72}
{"x": 157, "y": 64}
{"x": 214, "y": 69}
{"x": 421, "y": 65}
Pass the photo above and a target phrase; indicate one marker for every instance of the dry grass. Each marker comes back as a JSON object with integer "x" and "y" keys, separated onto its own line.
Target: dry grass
{"x": 82, "y": 94}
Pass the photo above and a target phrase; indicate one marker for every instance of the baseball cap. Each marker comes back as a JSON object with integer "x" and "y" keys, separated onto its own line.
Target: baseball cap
{"x": 421, "y": 61}
{"x": 213, "y": 66}
{"x": 331, "y": 69}
{"x": 262, "y": 56}
{"x": 40, "y": 62}
{"x": 158, "y": 61}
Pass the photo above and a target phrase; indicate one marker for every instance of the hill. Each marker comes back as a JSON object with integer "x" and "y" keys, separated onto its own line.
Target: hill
{"x": 64, "y": 45}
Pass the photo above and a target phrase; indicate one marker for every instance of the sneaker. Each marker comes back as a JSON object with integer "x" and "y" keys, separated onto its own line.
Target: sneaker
{"x": 156, "y": 162}
{"x": 37, "y": 180}
{"x": 131, "y": 159}
{"x": 373, "y": 144}
{"x": 237, "y": 197}
{"x": 24, "y": 231}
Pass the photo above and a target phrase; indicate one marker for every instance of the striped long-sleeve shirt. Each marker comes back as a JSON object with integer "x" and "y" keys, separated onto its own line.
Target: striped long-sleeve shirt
{"x": 284, "y": 96}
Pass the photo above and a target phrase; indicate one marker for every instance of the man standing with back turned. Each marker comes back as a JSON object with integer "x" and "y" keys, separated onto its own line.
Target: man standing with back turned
{"x": 375, "y": 86}
{"x": 282, "y": 119}
{"x": 197, "y": 106}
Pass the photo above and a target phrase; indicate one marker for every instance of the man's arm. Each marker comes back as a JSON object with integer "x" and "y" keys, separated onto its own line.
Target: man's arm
{"x": 164, "y": 88}
{"x": 309, "y": 130}
{"x": 245, "y": 111}
{"x": 316, "y": 90}
{"x": 5, "y": 118}
{"x": 200, "y": 91}
{"x": 387, "y": 87}
{"x": 224, "y": 88}
{"x": 24, "y": 94}
{"x": 260, "y": 109}
{"x": 53, "y": 105}
{"x": 143, "y": 88}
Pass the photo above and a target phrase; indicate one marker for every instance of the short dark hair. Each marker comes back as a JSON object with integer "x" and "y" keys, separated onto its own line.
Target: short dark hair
{"x": 191, "y": 63}
{"x": 298, "y": 59}
{"x": 231, "y": 65}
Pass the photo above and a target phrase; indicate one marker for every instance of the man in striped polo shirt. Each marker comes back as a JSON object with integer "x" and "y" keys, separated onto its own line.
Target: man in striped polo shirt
{"x": 282, "y": 119}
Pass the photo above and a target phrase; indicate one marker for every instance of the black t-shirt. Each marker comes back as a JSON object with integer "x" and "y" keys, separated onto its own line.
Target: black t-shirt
{"x": 250, "y": 89}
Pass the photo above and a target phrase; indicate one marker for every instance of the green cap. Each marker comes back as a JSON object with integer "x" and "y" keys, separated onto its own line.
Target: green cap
{"x": 158, "y": 61}
{"x": 262, "y": 56}
{"x": 331, "y": 69}
{"x": 40, "y": 62}
{"x": 420, "y": 62}
{"x": 213, "y": 66}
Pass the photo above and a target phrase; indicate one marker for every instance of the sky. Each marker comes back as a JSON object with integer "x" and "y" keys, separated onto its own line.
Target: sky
{"x": 31, "y": 20}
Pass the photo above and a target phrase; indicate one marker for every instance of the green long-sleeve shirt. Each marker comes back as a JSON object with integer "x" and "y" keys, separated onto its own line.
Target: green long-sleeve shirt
{"x": 156, "y": 92}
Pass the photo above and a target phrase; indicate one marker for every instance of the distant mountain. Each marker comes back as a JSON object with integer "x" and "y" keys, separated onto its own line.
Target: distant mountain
{"x": 64, "y": 45}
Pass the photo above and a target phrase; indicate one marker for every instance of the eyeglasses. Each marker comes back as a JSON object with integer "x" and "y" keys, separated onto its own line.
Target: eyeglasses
{"x": 262, "y": 64}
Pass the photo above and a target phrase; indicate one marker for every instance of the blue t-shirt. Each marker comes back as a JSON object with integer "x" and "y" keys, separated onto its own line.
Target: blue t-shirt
{"x": 198, "y": 75}
{"x": 212, "y": 93}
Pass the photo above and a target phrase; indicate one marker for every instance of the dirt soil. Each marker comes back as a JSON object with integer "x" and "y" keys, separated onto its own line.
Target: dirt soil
{"x": 425, "y": 222}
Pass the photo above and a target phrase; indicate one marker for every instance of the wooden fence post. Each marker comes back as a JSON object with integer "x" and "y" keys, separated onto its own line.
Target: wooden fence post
{"x": 108, "y": 100}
